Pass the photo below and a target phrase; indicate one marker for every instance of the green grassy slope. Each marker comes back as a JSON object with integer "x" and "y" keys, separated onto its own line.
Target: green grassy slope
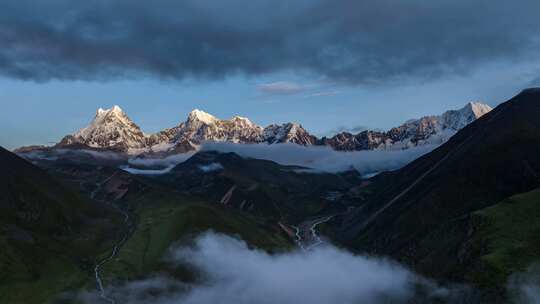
{"x": 164, "y": 218}
{"x": 508, "y": 235}
{"x": 160, "y": 217}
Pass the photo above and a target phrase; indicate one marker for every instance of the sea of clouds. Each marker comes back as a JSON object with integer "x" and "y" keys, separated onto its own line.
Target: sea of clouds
{"x": 524, "y": 287}
{"x": 324, "y": 158}
{"x": 233, "y": 273}
{"x": 316, "y": 158}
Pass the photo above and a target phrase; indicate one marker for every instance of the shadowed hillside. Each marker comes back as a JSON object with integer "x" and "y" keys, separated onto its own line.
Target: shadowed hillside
{"x": 49, "y": 235}
{"x": 422, "y": 214}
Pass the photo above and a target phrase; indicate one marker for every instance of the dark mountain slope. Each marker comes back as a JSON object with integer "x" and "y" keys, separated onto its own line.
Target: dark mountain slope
{"x": 421, "y": 214}
{"x": 49, "y": 236}
{"x": 159, "y": 216}
{"x": 261, "y": 187}
{"x": 32, "y": 199}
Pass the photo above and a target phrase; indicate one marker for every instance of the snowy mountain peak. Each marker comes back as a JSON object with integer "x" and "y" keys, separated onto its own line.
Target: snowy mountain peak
{"x": 240, "y": 118}
{"x": 428, "y": 130}
{"x": 458, "y": 119}
{"x": 288, "y": 133}
{"x": 478, "y": 108}
{"x": 115, "y": 109}
{"x": 113, "y": 129}
{"x": 201, "y": 116}
{"x": 110, "y": 128}
{"x": 245, "y": 123}
{"x": 295, "y": 126}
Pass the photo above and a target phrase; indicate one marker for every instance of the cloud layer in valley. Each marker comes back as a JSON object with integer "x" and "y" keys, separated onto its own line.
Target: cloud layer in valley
{"x": 524, "y": 287}
{"x": 316, "y": 158}
{"x": 351, "y": 41}
{"x": 233, "y": 273}
{"x": 322, "y": 158}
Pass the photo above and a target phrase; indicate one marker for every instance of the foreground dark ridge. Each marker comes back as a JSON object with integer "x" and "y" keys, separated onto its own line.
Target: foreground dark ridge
{"x": 424, "y": 214}
{"x": 49, "y": 233}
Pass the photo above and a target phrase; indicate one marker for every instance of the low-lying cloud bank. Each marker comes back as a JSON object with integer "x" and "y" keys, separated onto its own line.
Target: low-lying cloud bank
{"x": 232, "y": 273}
{"x": 155, "y": 166}
{"x": 160, "y": 163}
{"x": 147, "y": 171}
{"x": 317, "y": 158}
{"x": 55, "y": 154}
{"x": 211, "y": 167}
{"x": 524, "y": 287}
{"x": 324, "y": 158}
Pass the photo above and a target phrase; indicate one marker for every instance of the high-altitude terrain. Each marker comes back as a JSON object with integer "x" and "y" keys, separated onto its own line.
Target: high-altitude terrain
{"x": 80, "y": 225}
{"x": 466, "y": 213}
{"x": 113, "y": 130}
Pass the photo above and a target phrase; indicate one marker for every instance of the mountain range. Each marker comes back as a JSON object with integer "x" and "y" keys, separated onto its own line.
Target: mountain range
{"x": 464, "y": 214}
{"x": 112, "y": 129}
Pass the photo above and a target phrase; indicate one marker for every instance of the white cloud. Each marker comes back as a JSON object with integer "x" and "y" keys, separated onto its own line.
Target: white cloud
{"x": 323, "y": 94}
{"x": 317, "y": 158}
{"x": 324, "y": 158}
{"x": 281, "y": 88}
{"x": 232, "y": 273}
{"x": 211, "y": 167}
{"x": 147, "y": 171}
{"x": 524, "y": 287}
{"x": 160, "y": 163}
{"x": 155, "y": 166}
{"x": 55, "y": 154}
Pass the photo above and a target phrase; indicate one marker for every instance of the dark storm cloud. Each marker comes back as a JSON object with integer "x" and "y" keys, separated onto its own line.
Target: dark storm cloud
{"x": 351, "y": 41}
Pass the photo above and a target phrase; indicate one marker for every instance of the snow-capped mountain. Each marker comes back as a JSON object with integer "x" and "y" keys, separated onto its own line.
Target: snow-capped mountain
{"x": 288, "y": 133}
{"x": 112, "y": 129}
{"x": 201, "y": 126}
{"x": 426, "y": 130}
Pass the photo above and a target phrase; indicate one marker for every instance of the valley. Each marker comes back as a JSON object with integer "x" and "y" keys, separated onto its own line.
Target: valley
{"x": 269, "y": 152}
{"x": 440, "y": 214}
{"x": 306, "y": 233}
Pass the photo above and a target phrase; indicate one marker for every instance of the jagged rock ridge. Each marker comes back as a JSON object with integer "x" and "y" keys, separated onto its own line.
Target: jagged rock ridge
{"x": 426, "y": 130}
{"x": 112, "y": 129}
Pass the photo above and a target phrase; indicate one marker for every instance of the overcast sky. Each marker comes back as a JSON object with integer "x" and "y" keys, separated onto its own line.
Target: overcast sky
{"x": 329, "y": 65}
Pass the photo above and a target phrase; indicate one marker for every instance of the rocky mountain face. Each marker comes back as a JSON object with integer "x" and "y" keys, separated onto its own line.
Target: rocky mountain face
{"x": 288, "y": 133}
{"x": 201, "y": 126}
{"x": 112, "y": 129}
{"x": 426, "y": 130}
